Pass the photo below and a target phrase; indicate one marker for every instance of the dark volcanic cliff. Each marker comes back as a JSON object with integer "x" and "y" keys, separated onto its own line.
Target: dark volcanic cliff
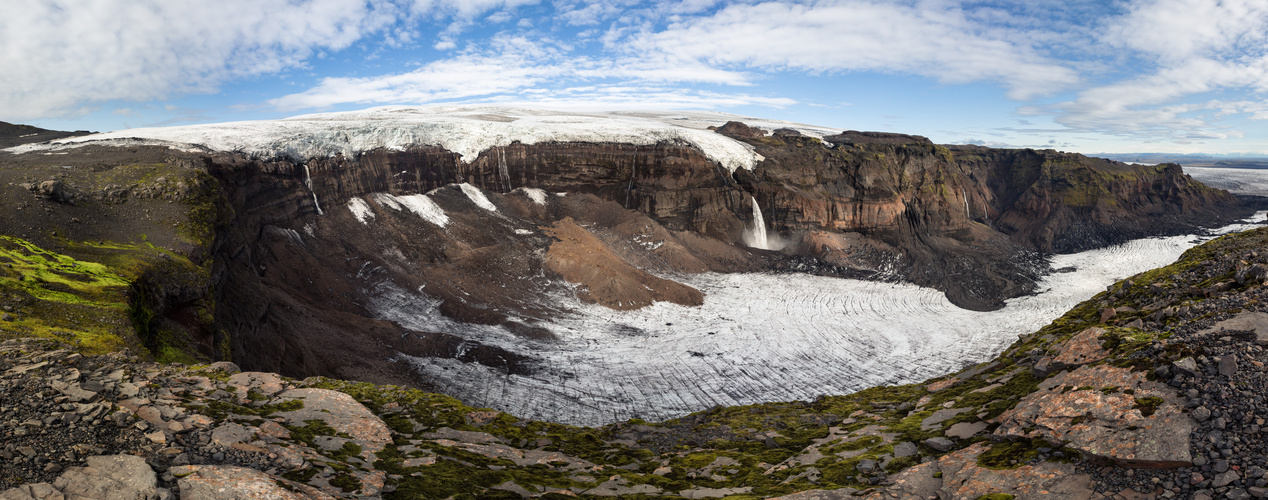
{"x": 963, "y": 219}
{"x": 332, "y": 266}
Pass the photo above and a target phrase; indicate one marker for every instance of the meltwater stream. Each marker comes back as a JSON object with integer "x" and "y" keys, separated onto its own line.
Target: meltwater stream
{"x": 758, "y": 338}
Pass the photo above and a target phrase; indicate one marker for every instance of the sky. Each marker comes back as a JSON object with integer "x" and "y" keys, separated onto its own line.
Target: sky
{"x": 1123, "y": 76}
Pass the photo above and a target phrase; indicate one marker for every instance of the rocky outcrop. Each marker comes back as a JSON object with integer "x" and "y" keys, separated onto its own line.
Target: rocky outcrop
{"x": 1107, "y": 412}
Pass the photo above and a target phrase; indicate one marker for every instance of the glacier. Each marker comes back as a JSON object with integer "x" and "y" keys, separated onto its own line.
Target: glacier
{"x": 757, "y": 338}
{"x": 464, "y": 129}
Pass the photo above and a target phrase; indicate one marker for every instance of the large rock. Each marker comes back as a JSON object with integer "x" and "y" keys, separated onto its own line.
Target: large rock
{"x": 1105, "y": 423}
{"x": 108, "y": 477}
{"x": 208, "y": 482}
{"x": 1246, "y": 321}
{"x": 1083, "y": 348}
{"x": 342, "y": 413}
{"x": 962, "y": 477}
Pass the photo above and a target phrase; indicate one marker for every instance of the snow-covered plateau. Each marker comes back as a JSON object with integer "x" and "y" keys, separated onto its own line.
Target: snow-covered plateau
{"x": 467, "y": 130}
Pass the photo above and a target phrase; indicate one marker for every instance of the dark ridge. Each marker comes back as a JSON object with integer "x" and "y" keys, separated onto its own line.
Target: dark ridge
{"x": 17, "y": 135}
{"x": 856, "y": 137}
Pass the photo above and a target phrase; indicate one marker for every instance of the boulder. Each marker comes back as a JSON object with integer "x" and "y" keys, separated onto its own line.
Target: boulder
{"x": 940, "y": 444}
{"x": 1107, "y": 424}
{"x": 1083, "y": 348}
{"x": 208, "y": 482}
{"x": 107, "y": 477}
{"x": 342, "y": 413}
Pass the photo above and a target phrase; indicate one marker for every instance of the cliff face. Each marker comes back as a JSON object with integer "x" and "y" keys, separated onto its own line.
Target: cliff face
{"x": 966, "y": 220}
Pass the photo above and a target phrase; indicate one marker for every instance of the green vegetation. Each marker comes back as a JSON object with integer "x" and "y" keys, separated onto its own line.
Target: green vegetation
{"x": 51, "y": 295}
{"x": 1010, "y": 455}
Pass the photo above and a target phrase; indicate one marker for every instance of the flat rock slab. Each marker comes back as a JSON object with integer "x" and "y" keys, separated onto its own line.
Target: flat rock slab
{"x": 267, "y": 384}
{"x": 965, "y": 430}
{"x": 1247, "y": 321}
{"x": 222, "y": 482}
{"x": 1105, "y": 423}
{"x": 713, "y": 492}
{"x": 109, "y": 477}
{"x": 931, "y": 422}
{"x": 461, "y": 436}
{"x": 963, "y": 478}
{"x": 1083, "y": 348}
{"x": 841, "y": 494}
{"x": 342, "y": 413}
{"x": 229, "y": 434}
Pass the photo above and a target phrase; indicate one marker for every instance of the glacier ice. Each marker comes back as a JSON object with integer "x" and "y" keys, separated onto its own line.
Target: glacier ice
{"x": 464, "y": 129}
{"x": 757, "y": 338}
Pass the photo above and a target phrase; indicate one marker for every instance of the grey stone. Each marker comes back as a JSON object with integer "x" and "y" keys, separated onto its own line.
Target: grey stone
{"x": 1187, "y": 365}
{"x": 229, "y": 434}
{"x": 1253, "y": 321}
{"x": 329, "y": 442}
{"x": 965, "y": 430}
{"x": 1228, "y": 365}
{"x": 1224, "y": 479}
{"x": 224, "y": 366}
{"x": 1201, "y": 414}
{"x": 931, "y": 422}
{"x": 905, "y": 449}
{"x": 940, "y": 444}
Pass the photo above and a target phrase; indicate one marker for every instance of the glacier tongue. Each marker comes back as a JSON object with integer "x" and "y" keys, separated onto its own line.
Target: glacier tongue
{"x": 757, "y": 338}
{"x": 466, "y": 130}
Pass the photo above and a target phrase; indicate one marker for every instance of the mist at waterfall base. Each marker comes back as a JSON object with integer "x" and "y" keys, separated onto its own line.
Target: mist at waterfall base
{"x": 757, "y": 338}
{"x": 756, "y": 237}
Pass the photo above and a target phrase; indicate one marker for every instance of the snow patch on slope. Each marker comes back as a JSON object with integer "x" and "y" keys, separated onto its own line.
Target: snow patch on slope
{"x": 466, "y": 130}
{"x": 361, "y": 210}
{"x": 537, "y": 195}
{"x": 476, "y": 196}
{"x": 420, "y": 204}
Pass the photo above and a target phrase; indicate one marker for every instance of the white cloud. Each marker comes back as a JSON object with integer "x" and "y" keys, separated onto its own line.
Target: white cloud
{"x": 930, "y": 39}
{"x": 60, "y": 56}
{"x": 1190, "y": 48}
{"x": 517, "y": 63}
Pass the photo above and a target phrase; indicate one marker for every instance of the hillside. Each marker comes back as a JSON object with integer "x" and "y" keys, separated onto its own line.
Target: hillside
{"x": 1151, "y": 385}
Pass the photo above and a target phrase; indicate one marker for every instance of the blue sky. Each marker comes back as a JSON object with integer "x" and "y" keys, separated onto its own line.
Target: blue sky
{"x": 1176, "y": 76}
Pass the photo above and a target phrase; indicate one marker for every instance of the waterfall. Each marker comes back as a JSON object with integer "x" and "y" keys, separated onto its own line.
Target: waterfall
{"x": 308, "y": 181}
{"x": 759, "y": 227}
{"x": 966, "y": 204}
{"x": 506, "y": 176}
